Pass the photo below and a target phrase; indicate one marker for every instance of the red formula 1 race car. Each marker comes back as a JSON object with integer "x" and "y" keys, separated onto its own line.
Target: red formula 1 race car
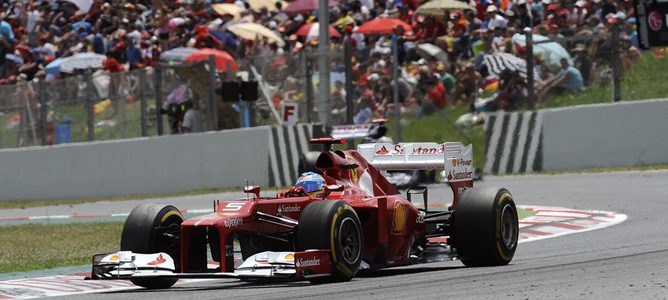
{"x": 327, "y": 227}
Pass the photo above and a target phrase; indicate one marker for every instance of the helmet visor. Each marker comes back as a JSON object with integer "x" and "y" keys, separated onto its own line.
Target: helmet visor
{"x": 310, "y": 186}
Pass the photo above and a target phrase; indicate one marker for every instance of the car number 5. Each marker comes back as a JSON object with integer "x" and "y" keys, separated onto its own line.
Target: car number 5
{"x": 233, "y": 206}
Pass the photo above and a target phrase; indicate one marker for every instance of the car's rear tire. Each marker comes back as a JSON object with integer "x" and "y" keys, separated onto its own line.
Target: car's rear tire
{"x": 140, "y": 236}
{"x": 486, "y": 228}
{"x": 322, "y": 219}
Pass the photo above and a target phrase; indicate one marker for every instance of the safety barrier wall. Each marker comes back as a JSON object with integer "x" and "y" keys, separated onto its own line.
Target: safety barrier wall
{"x": 164, "y": 164}
{"x": 581, "y": 137}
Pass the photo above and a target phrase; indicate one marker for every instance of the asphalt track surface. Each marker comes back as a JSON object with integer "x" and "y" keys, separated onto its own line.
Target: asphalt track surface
{"x": 625, "y": 261}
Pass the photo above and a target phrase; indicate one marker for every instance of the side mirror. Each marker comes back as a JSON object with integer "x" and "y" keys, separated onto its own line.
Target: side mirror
{"x": 255, "y": 189}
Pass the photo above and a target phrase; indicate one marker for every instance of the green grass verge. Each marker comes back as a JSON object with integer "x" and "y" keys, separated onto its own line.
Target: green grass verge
{"x": 643, "y": 81}
{"x": 38, "y": 247}
{"x": 439, "y": 128}
{"x": 524, "y": 213}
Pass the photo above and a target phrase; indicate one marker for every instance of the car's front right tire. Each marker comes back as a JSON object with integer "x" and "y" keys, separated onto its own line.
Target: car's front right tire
{"x": 334, "y": 225}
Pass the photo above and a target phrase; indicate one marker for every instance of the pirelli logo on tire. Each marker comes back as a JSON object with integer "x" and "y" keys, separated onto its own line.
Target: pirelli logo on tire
{"x": 514, "y": 142}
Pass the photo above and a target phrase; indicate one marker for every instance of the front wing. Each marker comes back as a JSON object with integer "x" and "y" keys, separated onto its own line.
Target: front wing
{"x": 264, "y": 265}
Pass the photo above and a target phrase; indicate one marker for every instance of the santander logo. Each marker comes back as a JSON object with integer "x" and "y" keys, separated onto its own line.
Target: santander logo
{"x": 416, "y": 149}
{"x": 308, "y": 262}
{"x": 382, "y": 150}
{"x": 158, "y": 260}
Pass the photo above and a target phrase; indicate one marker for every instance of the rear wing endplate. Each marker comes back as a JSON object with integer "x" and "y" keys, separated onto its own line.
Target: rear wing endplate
{"x": 453, "y": 157}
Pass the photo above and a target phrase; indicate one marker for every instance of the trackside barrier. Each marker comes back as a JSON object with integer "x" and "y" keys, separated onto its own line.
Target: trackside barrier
{"x": 580, "y": 137}
{"x": 164, "y": 164}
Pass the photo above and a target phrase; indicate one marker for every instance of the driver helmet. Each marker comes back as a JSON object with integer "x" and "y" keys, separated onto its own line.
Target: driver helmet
{"x": 313, "y": 183}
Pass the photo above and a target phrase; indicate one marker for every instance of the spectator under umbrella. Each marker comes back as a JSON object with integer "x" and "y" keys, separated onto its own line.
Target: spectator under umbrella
{"x": 226, "y": 38}
{"x": 204, "y": 40}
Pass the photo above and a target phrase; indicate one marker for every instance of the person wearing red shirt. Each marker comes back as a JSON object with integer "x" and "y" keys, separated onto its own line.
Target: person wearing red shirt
{"x": 437, "y": 95}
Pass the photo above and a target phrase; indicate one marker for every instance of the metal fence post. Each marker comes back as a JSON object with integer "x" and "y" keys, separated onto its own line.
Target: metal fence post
{"x": 213, "y": 113}
{"x": 324, "y": 91}
{"x": 121, "y": 103}
{"x": 530, "y": 65}
{"x": 142, "y": 102}
{"x": 158, "y": 97}
{"x": 395, "y": 89}
{"x": 616, "y": 72}
{"x": 309, "y": 87}
{"x": 90, "y": 111}
{"x": 43, "y": 111}
{"x": 348, "y": 55}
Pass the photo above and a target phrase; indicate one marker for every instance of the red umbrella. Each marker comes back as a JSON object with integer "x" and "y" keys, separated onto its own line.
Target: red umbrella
{"x": 312, "y": 29}
{"x": 382, "y": 26}
{"x": 299, "y": 6}
{"x": 223, "y": 59}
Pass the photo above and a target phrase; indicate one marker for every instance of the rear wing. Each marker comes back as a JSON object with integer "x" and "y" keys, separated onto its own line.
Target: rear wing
{"x": 350, "y": 131}
{"x": 453, "y": 157}
{"x": 353, "y": 131}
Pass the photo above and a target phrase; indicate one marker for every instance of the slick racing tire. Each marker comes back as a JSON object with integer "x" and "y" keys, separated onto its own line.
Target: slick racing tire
{"x": 486, "y": 228}
{"x": 332, "y": 225}
{"x": 140, "y": 236}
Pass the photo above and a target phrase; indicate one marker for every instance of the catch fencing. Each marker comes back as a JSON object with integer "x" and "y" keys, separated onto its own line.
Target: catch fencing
{"x": 294, "y": 78}
{"x": 98, "y": 106}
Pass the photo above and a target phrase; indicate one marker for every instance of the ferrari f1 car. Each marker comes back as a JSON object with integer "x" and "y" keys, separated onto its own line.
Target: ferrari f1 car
{"x": 358, "y": 221}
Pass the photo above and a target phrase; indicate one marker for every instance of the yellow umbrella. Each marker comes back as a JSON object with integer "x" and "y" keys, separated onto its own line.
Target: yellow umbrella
{"x": 438, "y": 7}
{"x": 228, "y": 9}
{"x": 269, "y": 4}
{"x": 253, "y": 31}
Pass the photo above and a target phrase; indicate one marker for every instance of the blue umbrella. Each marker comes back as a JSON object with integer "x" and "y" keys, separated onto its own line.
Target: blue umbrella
{"x": 53, "y": 68}
{"x": 177, "y": 54}
{"x": 17, "y": 59}
{"x": 550, "y": 52}
{"x": 226, "y": 38}
{"x": 83, "y": 24}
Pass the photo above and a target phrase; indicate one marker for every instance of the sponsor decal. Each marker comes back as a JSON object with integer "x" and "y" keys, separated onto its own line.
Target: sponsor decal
{"x": 289, "y": 257}
{"x": 454, "y": 176}
{"x": 158, "y": 260}
{"x": 233, "y": 206}
{"x": 382, "y": 151}
{"x": 654, "y": 21}
{"x": 399, "y": 219}
{"x": 419, "y": 219}
{"x": 289, "y": 208}
{"x": 313, "y": 262}
{"x": 233, "y": 222}
{"x": 114, "y": 258}
{"x": 353, "y": 173}
{"x": 417, "y": 149}
{"x": 460, "y": 162}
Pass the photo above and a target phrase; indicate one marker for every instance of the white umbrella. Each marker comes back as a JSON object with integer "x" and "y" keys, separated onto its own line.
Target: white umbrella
{"x": 427, "y": 49}
{"x": 253, "y": 31}
{"x": 82, "y": 61}
{"x": 549, "y": 52}
{"x": 83, "y": 5}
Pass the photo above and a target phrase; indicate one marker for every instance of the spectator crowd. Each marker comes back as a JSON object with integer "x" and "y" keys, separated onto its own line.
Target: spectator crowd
{"x": 133, "y": 34}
